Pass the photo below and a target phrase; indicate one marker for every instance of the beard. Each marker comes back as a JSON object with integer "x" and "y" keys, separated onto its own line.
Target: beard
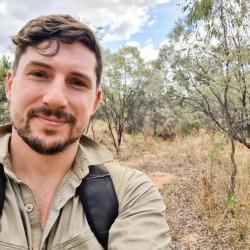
{"x": 40, "y": 145}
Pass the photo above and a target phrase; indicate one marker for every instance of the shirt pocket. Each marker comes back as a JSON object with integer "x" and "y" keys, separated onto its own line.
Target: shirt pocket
{"x": 88, "y": 242}
{"x": 9, "y": 246}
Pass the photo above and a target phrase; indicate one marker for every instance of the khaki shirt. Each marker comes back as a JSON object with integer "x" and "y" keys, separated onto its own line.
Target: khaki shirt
{"x": 140, "y": 224}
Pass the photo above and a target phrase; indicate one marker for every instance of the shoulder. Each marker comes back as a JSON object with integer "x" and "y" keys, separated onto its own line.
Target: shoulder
{"x": 132, "y": 185}
{"x": 141, "y": 222}
{"x": 116, "y": 171}
{"x": 125, "y": 176}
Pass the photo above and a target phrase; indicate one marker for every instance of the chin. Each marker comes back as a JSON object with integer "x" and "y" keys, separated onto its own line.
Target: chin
{"x": 45, "y": 147}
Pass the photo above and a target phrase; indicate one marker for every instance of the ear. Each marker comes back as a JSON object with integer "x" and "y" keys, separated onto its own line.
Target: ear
{"x": 97, "y": 100}
{"x": 8, "y": 83}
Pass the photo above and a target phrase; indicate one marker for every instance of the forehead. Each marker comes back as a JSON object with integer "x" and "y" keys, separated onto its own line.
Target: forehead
{"x": 75, "y": 56}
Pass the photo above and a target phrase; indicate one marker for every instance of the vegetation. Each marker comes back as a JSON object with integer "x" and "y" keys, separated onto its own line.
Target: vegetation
{"x": 193, "y": 171}
{"x": 196, "y": 90}
{"x": 211, "y": 69}
{"x": 4, "y": 106}
{"x": 132, "y": 93}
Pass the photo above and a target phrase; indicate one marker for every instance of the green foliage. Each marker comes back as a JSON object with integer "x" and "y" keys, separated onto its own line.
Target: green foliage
{"x": 133, "y": 91}
{"x": 198, "y": 10}
{"x": 5, "y": 65}
{"x": 232, "y": 201}
{"x": 210, "y": 64}
{"x": 4, "y": 112}
{"x": 208, "y": 57}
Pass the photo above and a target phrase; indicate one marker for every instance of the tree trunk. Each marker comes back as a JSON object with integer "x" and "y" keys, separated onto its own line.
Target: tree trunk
{"x": 234, "y": 167}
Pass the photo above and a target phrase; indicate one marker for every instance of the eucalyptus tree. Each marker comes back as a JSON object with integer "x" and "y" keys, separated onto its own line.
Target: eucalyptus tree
{"x": 5, "y": 65}
{"x": 210, "y": 64}
{"x": 130, "y": 86}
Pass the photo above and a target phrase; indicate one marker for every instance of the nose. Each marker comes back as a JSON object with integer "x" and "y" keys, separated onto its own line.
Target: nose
{"x": 55, "y": 95}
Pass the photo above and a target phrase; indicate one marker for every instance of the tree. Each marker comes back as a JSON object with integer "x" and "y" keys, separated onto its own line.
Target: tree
{"x": 211, "y": 66}
{"x": 128, "y": 86}
{"x": 5, "y": 65}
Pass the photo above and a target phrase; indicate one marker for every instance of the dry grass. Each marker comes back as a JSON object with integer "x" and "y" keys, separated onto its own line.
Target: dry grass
{"x": 224, "y": 213}
{"x": 202, "y": 161}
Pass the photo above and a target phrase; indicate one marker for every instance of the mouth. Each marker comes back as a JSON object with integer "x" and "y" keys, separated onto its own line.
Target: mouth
{"x": 51, "y": 120}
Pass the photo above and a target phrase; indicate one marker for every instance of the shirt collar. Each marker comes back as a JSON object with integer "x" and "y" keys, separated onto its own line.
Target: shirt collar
{"x": 5, "y": 135}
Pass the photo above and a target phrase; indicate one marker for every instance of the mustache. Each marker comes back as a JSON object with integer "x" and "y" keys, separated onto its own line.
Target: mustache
{"x": 60, "y": 114}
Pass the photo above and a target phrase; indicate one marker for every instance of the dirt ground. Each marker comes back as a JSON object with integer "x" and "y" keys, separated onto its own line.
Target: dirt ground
{"x": 177, "y": 168}
{"x": 178, "y": 186}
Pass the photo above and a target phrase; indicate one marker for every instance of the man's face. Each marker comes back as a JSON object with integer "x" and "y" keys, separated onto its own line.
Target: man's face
{"x": 53, "y": 97}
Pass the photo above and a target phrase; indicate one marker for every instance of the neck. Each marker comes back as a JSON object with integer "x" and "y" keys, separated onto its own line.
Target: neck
{"x": 30, "y": 166}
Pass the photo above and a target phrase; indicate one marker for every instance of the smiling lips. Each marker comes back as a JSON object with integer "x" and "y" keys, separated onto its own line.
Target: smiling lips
{"x": 51, "y": 120}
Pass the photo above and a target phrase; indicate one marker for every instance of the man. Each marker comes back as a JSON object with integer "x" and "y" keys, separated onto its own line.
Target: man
{"x": 53, "y": 89}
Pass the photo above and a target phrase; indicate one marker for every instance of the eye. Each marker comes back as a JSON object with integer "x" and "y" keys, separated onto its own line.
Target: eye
{"x": 38, "y": 74}
{"x": 78, "y": 83}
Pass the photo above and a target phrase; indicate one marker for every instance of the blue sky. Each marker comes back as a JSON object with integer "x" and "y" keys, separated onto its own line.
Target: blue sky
{"x": 142, "y": 23}
{"x": 164, "y": 17}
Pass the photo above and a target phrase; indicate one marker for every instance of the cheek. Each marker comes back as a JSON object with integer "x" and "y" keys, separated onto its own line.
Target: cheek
{"x": 20, "y": 101}
{"x": 25, "y": 96}
{"x": 84, "y": 104}
{"x": 82, "y": 112}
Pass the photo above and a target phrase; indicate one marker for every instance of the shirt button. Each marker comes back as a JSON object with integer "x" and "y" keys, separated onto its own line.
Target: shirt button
{"x": 29, "y": 208}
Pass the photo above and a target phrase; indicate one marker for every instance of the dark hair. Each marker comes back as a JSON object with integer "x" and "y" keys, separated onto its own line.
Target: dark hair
{"x": 55, "y": 29}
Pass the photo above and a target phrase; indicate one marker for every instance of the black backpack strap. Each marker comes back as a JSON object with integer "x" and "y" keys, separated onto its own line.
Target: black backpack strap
{"x": 99, "y": 200}
{"x": 2, "y": 187}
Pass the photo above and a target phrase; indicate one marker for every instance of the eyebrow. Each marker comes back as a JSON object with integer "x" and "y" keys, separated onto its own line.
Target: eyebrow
{"x": 41, "y": 64}
{"x": 81, "y": 75}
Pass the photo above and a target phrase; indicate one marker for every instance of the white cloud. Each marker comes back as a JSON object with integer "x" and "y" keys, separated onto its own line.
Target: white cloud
{"x": 2, "y": 7}
{"x": 128, "y": 24}
{"x": 148, "y": 50}
{"x": 121, "y": 18}
{"x": 165, "y": 42}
